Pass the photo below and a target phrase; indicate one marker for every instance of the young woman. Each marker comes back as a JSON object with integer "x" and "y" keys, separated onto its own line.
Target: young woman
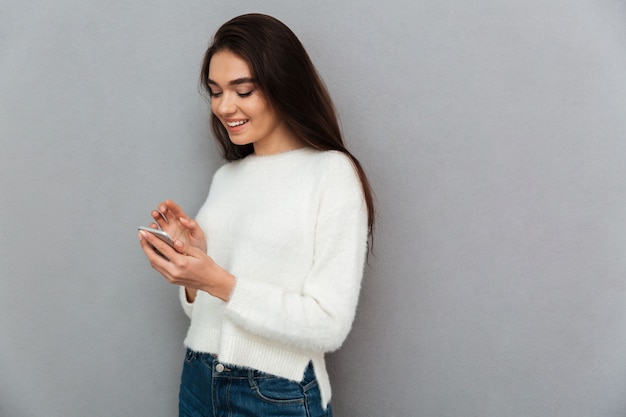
{"x": 271, "y": 268}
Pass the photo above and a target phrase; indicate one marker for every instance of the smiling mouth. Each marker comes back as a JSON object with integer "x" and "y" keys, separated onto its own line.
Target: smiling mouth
{"x": 237, "y": 123}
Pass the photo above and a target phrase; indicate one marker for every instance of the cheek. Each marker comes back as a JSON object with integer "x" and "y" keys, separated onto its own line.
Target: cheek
{"x": 258, "y": 106}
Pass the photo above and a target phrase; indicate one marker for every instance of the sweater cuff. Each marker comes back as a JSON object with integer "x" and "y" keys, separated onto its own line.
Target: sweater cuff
{"x": 238, "y": 296}
{"x": 187, "y": 306}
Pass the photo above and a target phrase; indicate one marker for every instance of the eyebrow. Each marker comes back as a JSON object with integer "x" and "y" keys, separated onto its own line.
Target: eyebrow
{"x": 238, "y": 81}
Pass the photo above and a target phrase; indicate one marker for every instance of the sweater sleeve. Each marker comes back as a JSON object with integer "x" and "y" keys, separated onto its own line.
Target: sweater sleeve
{"x": 320, "y": 316}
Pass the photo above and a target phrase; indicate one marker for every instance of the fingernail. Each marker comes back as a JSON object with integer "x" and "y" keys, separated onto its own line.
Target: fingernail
{"x": 142, "y": 235}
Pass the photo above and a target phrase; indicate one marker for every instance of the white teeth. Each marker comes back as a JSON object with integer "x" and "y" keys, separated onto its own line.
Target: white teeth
{"x": 238, "y": 123}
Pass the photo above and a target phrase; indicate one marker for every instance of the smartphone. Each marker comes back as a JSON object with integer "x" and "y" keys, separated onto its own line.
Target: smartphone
{"x": 160, "y": 234}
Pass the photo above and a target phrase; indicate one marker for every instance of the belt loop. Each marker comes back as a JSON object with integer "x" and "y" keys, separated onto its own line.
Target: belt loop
{"x": 252, "y": 379}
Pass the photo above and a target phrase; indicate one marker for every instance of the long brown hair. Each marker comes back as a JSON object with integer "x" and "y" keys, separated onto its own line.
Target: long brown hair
{"x": 285, "y": 74}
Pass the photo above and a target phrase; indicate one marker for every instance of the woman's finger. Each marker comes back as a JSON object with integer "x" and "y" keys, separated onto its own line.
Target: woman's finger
{"x": 188, "y": 250}
{"x": 195, "y": 232}
{"x": 172, "y": 209}
{"x": 155, "y": 249}
{"x": 189, "y": 224}
{"x": 160, "y": 218}
{"x": 160, "y": 264}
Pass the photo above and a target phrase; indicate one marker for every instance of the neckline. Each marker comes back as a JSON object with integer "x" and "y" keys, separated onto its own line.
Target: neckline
{"x": 279, "y": 155}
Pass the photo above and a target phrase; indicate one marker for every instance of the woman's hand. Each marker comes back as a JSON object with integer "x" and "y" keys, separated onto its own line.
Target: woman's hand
{"x": 173, "y": 220}
{"x": 188, "y": 266}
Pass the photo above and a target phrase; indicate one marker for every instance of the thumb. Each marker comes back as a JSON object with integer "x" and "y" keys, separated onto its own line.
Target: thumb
{"x": 183, "y": 248}
{"x": 190, "y": 225}
{"x": 179, "y": 245}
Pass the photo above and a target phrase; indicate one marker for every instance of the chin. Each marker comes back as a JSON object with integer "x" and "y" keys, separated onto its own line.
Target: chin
{"x": 240, "y": 142}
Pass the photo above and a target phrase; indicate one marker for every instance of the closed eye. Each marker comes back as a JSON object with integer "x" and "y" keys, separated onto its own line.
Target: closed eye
{"x": 212, "y": 94}
{"x": 248, "y": 94}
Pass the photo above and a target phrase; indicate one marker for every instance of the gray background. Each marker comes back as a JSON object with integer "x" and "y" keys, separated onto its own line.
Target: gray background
{"x": 493, "y": 133}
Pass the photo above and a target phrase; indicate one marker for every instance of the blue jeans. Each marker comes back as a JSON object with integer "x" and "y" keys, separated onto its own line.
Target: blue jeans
{"x": 209, "y": 388}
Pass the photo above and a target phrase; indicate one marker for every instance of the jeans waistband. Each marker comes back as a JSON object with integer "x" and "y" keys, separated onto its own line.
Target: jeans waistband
{"x": 221, "y": 369}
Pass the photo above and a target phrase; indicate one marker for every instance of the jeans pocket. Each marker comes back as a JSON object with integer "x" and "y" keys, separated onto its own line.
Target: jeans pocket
{"x": 277, "y": 390}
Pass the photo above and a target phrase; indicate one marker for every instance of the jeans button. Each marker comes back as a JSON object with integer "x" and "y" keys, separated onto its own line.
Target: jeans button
{"x": 219, "y": 367}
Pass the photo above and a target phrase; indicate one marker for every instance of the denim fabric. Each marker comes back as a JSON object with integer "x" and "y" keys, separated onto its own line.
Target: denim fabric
{"x": 209, "y": 388}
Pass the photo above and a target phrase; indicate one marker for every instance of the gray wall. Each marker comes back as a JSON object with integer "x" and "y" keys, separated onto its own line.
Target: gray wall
{"x": 494, "y": 136}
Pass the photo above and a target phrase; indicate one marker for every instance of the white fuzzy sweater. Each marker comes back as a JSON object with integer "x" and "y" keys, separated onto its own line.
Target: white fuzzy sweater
{"x": 292, "y": 229}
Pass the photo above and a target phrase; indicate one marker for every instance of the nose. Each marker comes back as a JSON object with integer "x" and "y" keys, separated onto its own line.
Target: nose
{"x": 226, "y": 105}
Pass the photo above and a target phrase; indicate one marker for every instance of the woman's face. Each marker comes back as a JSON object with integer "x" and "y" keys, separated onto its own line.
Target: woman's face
{"x": 242, "y": 107}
